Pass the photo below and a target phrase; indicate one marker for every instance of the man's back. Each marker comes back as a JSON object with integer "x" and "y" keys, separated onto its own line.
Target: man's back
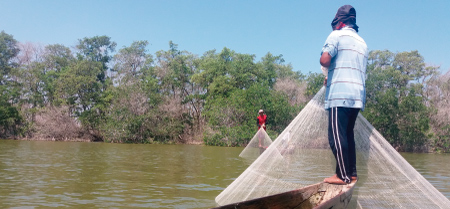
{"x": 346, "y": 74}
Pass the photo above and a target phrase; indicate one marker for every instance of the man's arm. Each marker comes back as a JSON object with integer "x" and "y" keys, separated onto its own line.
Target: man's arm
{"x": 325, "y": 59}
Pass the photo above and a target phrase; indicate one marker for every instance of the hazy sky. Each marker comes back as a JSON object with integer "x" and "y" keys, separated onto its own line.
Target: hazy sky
{"x": 295, "y": 29}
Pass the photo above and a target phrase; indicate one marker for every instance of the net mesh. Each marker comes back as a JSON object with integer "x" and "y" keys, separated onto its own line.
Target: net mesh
{"x": 301, "y": 156}
{"x": 257, "y": 145}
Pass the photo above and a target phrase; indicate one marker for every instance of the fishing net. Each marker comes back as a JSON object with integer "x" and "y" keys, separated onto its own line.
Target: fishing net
{"x": 301, "y": 156}
{"x": 259, "y": 143}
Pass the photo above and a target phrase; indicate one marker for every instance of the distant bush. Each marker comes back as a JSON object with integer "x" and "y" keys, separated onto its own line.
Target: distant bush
{"x": 55, "y": 123}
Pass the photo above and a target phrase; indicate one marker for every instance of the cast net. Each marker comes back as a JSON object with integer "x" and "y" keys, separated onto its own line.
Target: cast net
{"x": 301, "y": 156}
{"x": 259, "y": 143}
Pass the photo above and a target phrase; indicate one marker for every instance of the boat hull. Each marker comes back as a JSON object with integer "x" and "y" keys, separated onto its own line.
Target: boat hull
{"x": 316, "y": 196}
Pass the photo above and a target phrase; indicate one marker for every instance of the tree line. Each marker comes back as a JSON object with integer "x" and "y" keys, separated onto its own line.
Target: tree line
{"x": 94, "y": 93}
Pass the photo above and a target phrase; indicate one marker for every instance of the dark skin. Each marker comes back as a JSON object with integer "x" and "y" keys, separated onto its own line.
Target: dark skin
{"x": 325, "y": 59}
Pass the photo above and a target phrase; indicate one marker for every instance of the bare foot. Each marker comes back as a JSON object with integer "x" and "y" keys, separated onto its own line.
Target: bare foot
{"x": 334, "y": 180}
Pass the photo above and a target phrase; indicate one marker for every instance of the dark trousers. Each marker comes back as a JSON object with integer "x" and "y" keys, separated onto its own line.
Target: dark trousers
{"x": 341, "y": 121}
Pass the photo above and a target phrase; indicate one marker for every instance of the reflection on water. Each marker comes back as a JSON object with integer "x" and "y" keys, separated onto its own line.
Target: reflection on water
{"x": 36, "y": 174}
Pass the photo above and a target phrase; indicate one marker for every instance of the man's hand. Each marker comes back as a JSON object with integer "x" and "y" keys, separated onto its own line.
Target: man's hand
{"x": 324, "y": 70}
{"x": 325, "y": 81}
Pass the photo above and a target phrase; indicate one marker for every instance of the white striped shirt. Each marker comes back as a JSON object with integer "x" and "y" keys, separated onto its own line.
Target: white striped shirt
{"x": 347, "y": 71}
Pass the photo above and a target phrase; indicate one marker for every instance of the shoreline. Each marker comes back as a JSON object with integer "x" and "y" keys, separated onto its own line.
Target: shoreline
{"x": 190, "y": 142}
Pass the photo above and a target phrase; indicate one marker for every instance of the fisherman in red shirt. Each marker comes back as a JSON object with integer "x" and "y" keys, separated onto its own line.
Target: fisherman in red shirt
{"x": 261, "y": 119}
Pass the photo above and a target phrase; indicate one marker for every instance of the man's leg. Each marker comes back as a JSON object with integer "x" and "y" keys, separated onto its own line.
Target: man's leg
{"x": 353, "y": 114}
{"x": 337, "y": 137}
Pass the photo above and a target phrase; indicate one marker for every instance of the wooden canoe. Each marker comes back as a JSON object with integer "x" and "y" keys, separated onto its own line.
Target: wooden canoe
{"x": 316, "y": 196}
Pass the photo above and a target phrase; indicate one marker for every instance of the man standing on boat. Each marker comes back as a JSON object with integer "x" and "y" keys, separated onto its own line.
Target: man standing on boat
{"x": 344, "y": 60}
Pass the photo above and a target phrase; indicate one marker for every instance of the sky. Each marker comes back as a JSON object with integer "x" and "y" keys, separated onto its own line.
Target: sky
{"x": 295, "y": 29}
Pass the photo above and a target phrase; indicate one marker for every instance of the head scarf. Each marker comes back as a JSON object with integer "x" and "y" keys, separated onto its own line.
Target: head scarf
{"x": 345, "y": 14}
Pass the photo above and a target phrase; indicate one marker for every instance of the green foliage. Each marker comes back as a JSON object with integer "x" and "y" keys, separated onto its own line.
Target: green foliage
{"x": 10, "y": 118}
{"x": 57, "y": 57}
{"x": 221, "y": 73}
{"x": 147, "y": 99}
{"x": 232, "y": 118}
{"x": 11, "y": 121}
{"x": 382, "y": 112}
{"x": 441, "y": 142}
{"x": 8, "y": 50}
{"x": 32, "y": 86}
{"x": 175, "y": 69}
{"x": 437, "y": 93}
{"x": 395, "y": 105}
{"x": 121, "y": 126}
{"x": 269, "y": 67}
{"x": 78, "y": 85}
{"x": 132, "y": 61}
{"x": 414, "y": 124}
{"x": 315, "y": 83}
{"x": 227, "y": 116}
{"x": 79, "y": 88}
{"x": 97, "y": 49}
{"x": 131, "y": 117}
{"x": 214, "y": 139}
{"x": 174, "y": 95}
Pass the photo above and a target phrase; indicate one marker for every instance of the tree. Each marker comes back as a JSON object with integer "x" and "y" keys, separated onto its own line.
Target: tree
{"x": 438, "y": 93}
{"x": 10, "y": 118}
{"x": 315, "y": 83}
{"x": 293, "y": 89}
{"x": 30, "y": 74}
{"x": 182, "y": 98}
{"x": 232, "y": 118}
{"x": 272, "y": 68}
{"x": 395, "y": 102}
{"x": 131, "y": 115}
{"x": 236, "y": 88}
{"x": 94, "y": 54}
{"x": 130, "y": 62}
{"x": 79, "y": 88}
{"x": 9, "y": 50}
{"x": 97, "y": 49}
{"x": 413, "y": 122}
{"x": 57, "y": 58}
{"x": 221, "y": 73}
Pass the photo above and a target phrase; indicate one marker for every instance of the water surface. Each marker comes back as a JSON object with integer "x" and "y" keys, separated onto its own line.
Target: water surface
{"x": 40, "y": 174}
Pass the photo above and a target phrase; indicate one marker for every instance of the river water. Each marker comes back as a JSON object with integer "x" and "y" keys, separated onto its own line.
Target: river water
{"x": 40, "y": 174}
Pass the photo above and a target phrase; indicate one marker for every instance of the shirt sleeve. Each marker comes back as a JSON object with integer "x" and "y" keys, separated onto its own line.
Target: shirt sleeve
{"x": 331, "y": 45}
